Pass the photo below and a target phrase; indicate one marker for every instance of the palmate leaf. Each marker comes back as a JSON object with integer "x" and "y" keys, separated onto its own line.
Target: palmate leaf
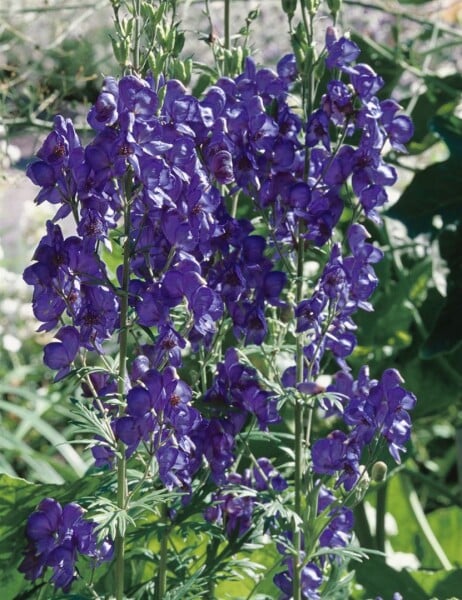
{"x": 441, "y": 98}
{"x": 446, "y": 333}
{"x": 436, "y": 190}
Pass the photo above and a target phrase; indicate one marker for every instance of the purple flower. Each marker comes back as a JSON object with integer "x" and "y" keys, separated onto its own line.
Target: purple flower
{"x": 57, "y": 535}
{"x": 399, "y": 128}
{"x": 287, "y": 68}
{"x": 338, "y": 531}
{"x": 317, "y": 129}
{"x": 98, "y": 316}
{"x": 365, "y": 81}
{"x": 104, "y": 113}
{"x": 60, "y": 355}
{"x": 337, "y": 453}
{"x": 341, "y": 52}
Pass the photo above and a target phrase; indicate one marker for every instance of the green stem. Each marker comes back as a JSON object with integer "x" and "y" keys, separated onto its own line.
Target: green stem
{"x": 419, "y": 515}
{"x": 122, "y": 491}
{"x": 298, "y": 415}
{"x": 380, "y": 513}
{"x": 162, "y": 573}
{"x": 227, "y": 19}
{"x": 362, "y": 529}
{"x": 137, "y": 35}
{"x": 299, "y": 448}
{"x": 434, "y": 484}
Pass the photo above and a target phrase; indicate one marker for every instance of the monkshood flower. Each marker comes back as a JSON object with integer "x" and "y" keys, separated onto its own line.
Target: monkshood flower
{"x": 156, "y": 181}
{"x": 57, "y": 535}
{"x": 59, "y": 154}
{"x": 159, "y": 414}
{"x": 60, "y": 355}
{"x": 373, "y": 410}
{"x": 234, "y": 397}
{"x": 64, "y": 276}
{"x": 237, "y": 387}
{"x": 234, "y": 510}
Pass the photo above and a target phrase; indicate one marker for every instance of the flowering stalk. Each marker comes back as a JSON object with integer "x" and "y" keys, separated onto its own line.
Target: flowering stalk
{"x": 300, "y": 437}
{"x": 299, "y": 447}
{"x": 162, "y": 573}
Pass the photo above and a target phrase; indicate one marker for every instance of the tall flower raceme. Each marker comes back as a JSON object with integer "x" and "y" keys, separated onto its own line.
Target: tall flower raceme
{"x": 161, "y": 188}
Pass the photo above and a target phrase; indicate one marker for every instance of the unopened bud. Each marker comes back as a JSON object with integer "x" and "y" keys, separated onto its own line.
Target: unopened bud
{"x": 334, "y": 6}
{"x": 289, "y": 7}
{"x": 379, "y": 471}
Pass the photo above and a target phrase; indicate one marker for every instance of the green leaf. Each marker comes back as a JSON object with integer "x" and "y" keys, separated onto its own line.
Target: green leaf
{"x": 447, "y": 526}
{"x": 450, "y": 129}
{"x": 45, "y": 429}
{"x": 388, "y": 326}
{"x": 429, "y": 381}
{"x": 436, "y": 190}
{"x": 379, "y": 579}
{"x": 439, "y": 584}
{"x": 413, "y": 1}
{"x": 440, "y": 99}
{"x": 446, "y": 333}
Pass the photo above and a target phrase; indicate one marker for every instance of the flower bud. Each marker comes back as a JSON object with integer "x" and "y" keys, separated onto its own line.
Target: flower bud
{"x": 311, "y": 5}
{"x": 379, "y": 471}
{"x": 289, "y": 7}
{"x": 334, "y": 6}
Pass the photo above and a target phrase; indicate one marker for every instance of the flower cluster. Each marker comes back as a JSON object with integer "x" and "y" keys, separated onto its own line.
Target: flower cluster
{"x": 234, "y": 509}
{"x": 235, "y": 396}
{"x": 57, "y": 535}
{"x": 372, "y": 410}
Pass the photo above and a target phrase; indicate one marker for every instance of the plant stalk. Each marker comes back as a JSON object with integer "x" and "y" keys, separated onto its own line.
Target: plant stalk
{"x": 162, "y": 573}
{"x": 136, "y": 36}
{"x": 299, "y": 448}
{"x": 380, "y": 517}
{"x": 298, "y": 415}
{"x": 362, "y": 529}
{"x": 122, "y": 490}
